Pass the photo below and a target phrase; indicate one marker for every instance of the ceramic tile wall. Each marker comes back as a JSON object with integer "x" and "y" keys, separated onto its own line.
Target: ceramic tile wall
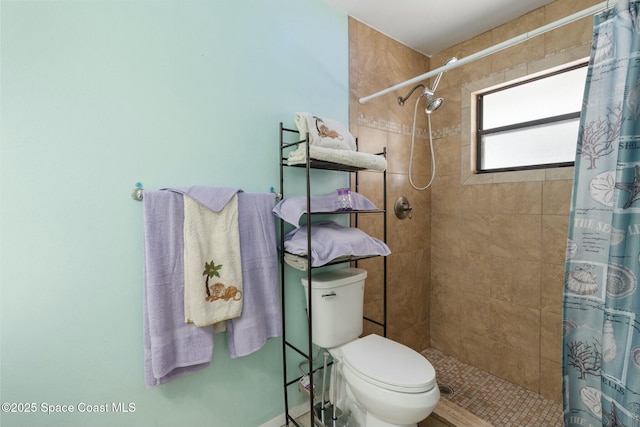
{"x": 478, "y": 272}
{"x": 377, "y": 62}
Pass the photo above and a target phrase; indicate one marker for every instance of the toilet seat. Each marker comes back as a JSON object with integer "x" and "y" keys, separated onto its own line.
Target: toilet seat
{"x": 389, "y": 365}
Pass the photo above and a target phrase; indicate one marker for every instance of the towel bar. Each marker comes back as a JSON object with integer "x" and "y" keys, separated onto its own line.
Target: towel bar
{"x": 136, "y": 194}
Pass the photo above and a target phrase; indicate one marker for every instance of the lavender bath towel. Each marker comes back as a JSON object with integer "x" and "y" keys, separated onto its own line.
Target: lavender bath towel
{"x": 172, "y": 348}
{"x": 291, "y": 209}
{"x": 261, "y": 317}
{"x": 331, "y": 241}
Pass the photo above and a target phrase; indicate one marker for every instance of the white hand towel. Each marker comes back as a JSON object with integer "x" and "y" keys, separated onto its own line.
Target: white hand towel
{"x": 212, "y": 263}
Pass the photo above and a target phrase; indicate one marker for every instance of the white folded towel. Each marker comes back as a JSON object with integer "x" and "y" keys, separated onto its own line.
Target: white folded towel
{"x": 343, "y": 157}
{"x": 212, "y": 263}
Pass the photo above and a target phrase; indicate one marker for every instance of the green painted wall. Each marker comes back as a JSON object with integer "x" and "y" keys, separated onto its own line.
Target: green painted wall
{"x": 99, "y": 95}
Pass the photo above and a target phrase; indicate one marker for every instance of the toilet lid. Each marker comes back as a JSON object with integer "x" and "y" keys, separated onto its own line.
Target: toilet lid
{"x": 389, "y": 364}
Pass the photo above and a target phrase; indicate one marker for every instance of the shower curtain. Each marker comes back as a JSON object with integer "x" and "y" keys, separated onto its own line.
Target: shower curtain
{"x": 601, "y": 319}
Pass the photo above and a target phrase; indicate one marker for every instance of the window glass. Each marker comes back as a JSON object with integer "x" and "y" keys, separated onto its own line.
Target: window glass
{"x": 531, "y": 124}
{"x": 550, "y": 96}
{"x": 540, "y": 145}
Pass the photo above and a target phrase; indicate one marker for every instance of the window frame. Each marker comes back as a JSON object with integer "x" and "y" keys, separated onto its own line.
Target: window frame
{"x": 480, "y": 132}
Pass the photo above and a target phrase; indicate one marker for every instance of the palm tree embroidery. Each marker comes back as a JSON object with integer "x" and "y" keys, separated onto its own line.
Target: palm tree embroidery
{"x": 210, "y": 270}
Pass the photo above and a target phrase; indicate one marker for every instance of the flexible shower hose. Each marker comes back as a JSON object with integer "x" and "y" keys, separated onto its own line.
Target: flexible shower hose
{"x": 433, "y": 156}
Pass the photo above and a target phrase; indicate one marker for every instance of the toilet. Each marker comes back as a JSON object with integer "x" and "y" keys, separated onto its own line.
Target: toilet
{"x": 380, "y": 382}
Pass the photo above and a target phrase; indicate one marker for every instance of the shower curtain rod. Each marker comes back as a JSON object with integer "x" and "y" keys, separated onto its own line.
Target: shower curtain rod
{"x": 508, "y": 43}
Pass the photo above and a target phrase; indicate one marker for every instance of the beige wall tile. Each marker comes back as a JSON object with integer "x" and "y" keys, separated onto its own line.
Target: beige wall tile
{"x": 416, "y": 336}
{"x": 516, "y": 281}
{"x": 373, "y": 310}
{"x": 475, "y": 199}
{"x": 445, "y": 306}
{"x": 398, "y": 150}
{"x": 372, "y": 140}
{"x": 398, "y": 57}
{"x": 406, "y": 299}
{"x": 475, "y": 315}
{"x": 551, "y": 380}
{"x": 560, "y": 174}
{"x": 554, "y": 238}
{"x": 569, "y": 35}
{"x": 443, "y": 200}
{"x": 515, "y": 365}
{"x": 423, "y": 280}
{"x": 475, "y": 233}
{"x": 556, "y": 197}
{"x": 369, "y": 185}
{"x": 551, "y": 336}
{"x": 517, "y": 198}
{"x": 447, "y": 155}
{"x": 445, "y": 336}
{"x": 476, "y": 350}
{"x": 445, "y": 232}
{"x": 519, "y": 54}
{"x": 516, "y": 236}
{"x": 519, "y": 176}
{"x": 369, "y": 44}
{"x": 515, "y": 326}
{"x": 476, "y": 274}
{"x": 561, "y": 9}
{"x": 445, "y": 269}
{"x": 552, "y": 284}
{"x": 371, "y": 224}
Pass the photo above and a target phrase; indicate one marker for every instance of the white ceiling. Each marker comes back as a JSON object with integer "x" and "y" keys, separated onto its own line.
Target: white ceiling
{"x": 430, "y": 26}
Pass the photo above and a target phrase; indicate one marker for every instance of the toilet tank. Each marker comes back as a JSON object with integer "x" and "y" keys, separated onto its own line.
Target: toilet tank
{"x": 337, "y": 305}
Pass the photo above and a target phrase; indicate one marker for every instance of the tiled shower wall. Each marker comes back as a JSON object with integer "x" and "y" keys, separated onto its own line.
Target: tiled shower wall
{"x": 478, "y": 271}
{"x": 377, "y": 62}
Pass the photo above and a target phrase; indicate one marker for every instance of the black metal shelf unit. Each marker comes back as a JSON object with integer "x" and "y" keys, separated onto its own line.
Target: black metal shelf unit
{"x": 307, "y": 353}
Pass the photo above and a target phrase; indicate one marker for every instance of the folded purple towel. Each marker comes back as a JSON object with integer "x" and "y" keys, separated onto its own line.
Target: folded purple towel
{"x": 291, "y": 209}
{"x": 172, "y": 348}
{"x": 261, "y": 317}
{"x": 331, "y": 241}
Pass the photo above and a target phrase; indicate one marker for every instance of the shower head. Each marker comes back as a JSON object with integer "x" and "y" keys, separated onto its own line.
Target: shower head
{"x": 433, "y": 104}
{"x": 435, "y": 84}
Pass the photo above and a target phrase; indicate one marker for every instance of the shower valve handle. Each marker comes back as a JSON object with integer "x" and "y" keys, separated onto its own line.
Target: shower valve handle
{"x": 402, "y": 208}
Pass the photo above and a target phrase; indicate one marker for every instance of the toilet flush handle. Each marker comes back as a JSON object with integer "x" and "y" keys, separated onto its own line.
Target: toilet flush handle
{"x": 329, "y": 295}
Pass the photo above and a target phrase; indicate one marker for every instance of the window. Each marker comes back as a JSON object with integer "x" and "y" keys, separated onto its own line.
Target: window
{"x": 531, "y": 124}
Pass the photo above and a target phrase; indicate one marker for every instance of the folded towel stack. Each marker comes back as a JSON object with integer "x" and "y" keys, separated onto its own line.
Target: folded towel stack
{"x": 324, "y": 132}
{"x": 330, "y": 141}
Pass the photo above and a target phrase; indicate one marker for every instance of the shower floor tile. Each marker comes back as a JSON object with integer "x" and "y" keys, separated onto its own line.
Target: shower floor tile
{"x": 495, "y": 400}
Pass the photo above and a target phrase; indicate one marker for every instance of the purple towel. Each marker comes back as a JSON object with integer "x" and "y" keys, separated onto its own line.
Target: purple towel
{"x": 214, "y": 198}
{"x": 292, "y": 209}
{"x": 261, "y": 316}
{"x": 172, "y": 348}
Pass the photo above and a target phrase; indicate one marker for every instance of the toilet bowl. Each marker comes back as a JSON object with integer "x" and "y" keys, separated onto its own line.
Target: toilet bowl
{"x": 380, "y": 382}
{"x": 386, "y": 384}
